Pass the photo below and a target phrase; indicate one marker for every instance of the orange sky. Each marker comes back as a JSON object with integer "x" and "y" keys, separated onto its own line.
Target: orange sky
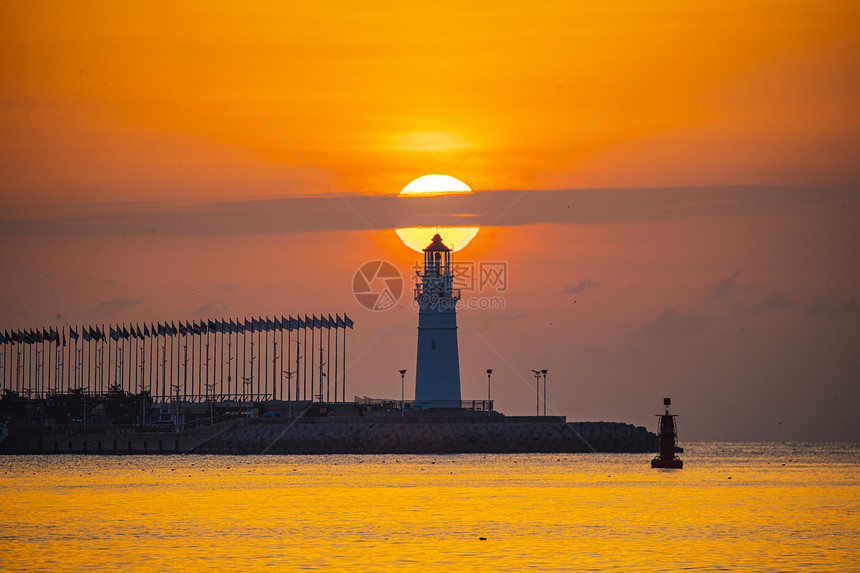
{"x": 105, "y": 102}
{"x": 166, "y": 111}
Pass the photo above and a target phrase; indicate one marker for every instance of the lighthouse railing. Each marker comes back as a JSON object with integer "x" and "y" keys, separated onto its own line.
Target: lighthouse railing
{"x": 431, "y": 290}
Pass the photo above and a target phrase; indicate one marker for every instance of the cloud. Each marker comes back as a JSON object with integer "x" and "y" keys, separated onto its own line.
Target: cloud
{"x": 771, "y": 303}
{"x": 832, "y": 307}
{"x": 108, "y": 308}
{"x": 577, "y": 288}
{"x": 674, "y": 324}
{"x": 211, "y": 309}
{"x": 726, "y": 286}
{"x": 348, "y": 212}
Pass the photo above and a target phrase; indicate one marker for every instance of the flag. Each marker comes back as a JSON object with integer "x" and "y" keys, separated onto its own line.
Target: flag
{"x": 331, "y": 322}
{"x": 137, "y": 328}
{"x": 3, "y": 339}
{"x": 213, "y": 326}
{"x": 146, "y": 329}
{"x": 86, "y": 334}
{"x": 113, "y": 333}
{"x": 131, "y": 331}
{"x": 183, "y": 330}
{"x": 323, "y": 322}
{"x": 301, "y": 322}
{"x": 125, "y": 333}
{"x": 249, "y": 325}
{"x": 348, "y": 321}
{"x": 73, "y": 334}
{"x": 233, "y": 326}
{"x": 294, "y": 324}
{"x": 255, "y": 324}
{"x": 340, "y": 323}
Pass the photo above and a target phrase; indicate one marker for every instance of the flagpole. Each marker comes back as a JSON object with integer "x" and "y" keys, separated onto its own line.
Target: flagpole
{"x": 185, "y": 366}
{"x": 152, "y": 359}
{"x": 191, "y": 334}
{"x": 305, "y": 356}
{"x": 177, "y": 336}
{"x": 343, "y": 374}
{"x": 212, "y": 397}
{"x": 200, "y": 382}
{"x": 298, "y": 359}
{"x": 68, "y": 380}
{"x": 287, "y": 348}
{"x": 313, "y": 347}
{"x": 251, "y": 385}
{"x": 236, "y": 359}
{"x": 89, "y": 359}
{"x": 336, "y": 326}
{"x": 259, "y": 358}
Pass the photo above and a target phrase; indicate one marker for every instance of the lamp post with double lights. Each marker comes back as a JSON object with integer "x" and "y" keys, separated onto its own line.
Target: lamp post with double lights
{"x": 544, "y": 371}
{"x": 489, "y": 407}
{"x": 402, "y": 386}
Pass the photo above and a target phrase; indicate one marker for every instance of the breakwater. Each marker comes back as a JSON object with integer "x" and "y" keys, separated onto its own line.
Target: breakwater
{"x": 372, "y": 435}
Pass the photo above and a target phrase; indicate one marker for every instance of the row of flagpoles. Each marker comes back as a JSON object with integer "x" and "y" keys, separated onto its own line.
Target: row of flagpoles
{"x": 235, "y": 359}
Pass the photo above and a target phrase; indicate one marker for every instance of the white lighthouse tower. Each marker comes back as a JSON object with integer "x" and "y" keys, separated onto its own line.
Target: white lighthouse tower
{"x": 437, "y": 376}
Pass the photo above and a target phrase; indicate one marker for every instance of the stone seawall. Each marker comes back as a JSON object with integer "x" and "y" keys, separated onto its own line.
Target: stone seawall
{"x": 347, "y": 436}
{"x": 436, "y": 436}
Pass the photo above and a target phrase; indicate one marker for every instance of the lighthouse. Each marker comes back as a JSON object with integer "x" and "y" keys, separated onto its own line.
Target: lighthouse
{"x": 437, "y": 375}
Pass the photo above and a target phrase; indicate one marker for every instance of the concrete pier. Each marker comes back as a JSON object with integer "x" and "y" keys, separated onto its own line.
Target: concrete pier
{"x": 372, "y": 435}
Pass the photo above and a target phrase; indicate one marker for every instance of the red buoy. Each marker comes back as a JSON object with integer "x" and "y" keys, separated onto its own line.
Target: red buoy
{"x": 668, "y": 433}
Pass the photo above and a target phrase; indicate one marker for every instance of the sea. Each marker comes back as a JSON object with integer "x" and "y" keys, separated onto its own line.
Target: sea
{"x": 734, "y": 507}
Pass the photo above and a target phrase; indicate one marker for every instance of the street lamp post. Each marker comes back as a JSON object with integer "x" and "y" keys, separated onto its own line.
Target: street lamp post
{"x": 544, "y": 371}
{"x": 489, "y": 407}
{"x": 537, "y": 374}
{"x": 289, "y": 376}
{"x": 402, "y": 386}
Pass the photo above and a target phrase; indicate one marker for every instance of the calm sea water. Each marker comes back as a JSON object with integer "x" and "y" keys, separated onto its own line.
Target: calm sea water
{"x": 734, "y": 507}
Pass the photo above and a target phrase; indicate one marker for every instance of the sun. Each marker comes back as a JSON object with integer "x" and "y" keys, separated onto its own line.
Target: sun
{"x": 417, "y": 238}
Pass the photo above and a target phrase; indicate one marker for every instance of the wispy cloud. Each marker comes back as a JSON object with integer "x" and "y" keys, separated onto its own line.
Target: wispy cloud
{"x": 214, "y": 308}
{"x": 726, "y": 286}
{"x": 770, "y": 303}
{"x": 833, "y": 307}
{"x": 321, "y": 213}
{"x": 675, "y": 324}
{"x": 581, "y": 286}
{"x": 107, "y": 308}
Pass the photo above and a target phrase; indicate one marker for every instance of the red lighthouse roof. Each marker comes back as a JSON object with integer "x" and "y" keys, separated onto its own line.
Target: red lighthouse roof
{"x": 436, "y": 245}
